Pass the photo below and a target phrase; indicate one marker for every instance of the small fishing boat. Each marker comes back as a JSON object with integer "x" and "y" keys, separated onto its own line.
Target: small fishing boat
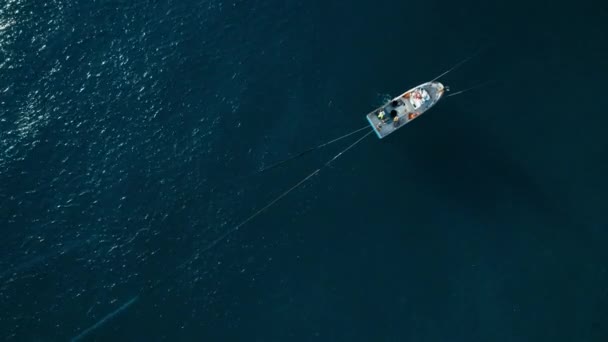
{"x": 404, "y": 108}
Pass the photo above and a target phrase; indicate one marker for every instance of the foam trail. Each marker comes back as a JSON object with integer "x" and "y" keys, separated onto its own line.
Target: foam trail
{"x": 105, "y": 319}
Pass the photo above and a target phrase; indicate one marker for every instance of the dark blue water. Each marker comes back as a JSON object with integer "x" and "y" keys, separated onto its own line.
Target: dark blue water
{"x": 129, "y": 131}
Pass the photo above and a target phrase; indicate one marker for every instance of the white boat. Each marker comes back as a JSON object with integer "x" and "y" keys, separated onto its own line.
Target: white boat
{"x": 404, "y": 108}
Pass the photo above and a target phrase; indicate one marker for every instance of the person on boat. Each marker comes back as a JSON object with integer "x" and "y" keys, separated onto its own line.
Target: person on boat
{"x": 396, "y": 121}
{"x": 395, "y": 117}
{"x": 381, "y": 115}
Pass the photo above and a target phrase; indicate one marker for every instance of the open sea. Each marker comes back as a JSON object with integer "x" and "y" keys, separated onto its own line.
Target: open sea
{"x": 131, "y": 133}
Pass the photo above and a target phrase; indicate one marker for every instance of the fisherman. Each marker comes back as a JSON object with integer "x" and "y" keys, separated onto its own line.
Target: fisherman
{"x": 395, "y": 117}
{"x": 381, "y": 115}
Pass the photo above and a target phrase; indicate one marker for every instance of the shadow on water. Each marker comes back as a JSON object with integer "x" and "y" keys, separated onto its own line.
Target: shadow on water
{"x": 460, "y": 160}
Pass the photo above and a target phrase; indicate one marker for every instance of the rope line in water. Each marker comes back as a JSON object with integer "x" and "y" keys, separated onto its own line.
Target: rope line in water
{"x": 459, "y": 64}
{"x": 470, "y": 88}
{"x": 281, "y": 162}
{"x": 278, "y": 198}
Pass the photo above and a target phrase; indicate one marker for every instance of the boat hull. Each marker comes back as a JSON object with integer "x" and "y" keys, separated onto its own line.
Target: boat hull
{"x": 404, "y": 108}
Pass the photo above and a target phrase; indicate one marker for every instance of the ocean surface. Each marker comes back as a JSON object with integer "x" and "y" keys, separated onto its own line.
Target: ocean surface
{"x": 131, "y": 133}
